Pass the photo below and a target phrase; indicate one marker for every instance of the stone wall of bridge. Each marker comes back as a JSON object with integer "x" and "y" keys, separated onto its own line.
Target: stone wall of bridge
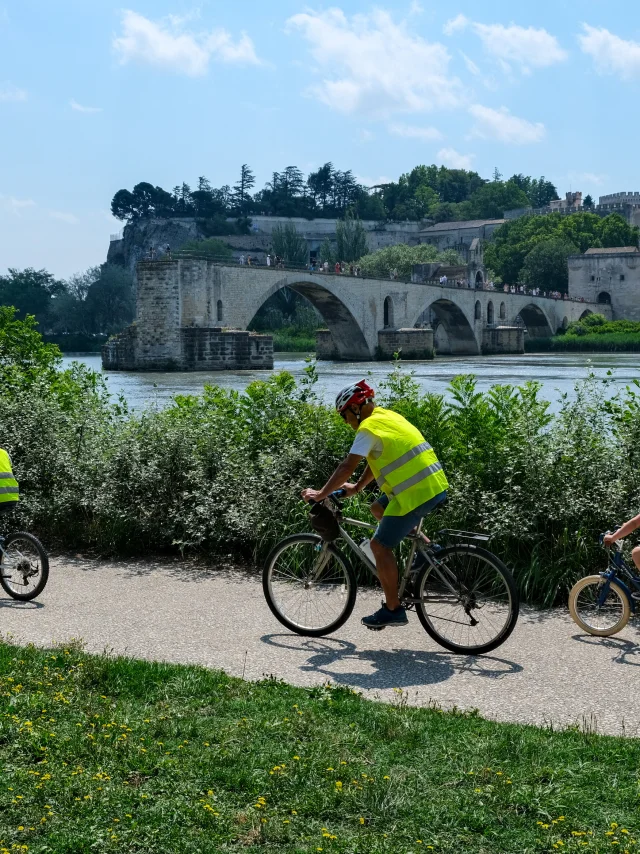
{"x": 187, "y": 294}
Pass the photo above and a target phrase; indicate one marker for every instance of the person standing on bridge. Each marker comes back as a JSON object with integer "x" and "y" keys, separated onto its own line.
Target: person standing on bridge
{"x": 407, "y": 470}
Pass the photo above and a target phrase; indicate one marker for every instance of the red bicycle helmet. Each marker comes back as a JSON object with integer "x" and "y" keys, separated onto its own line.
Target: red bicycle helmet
{"x": 354, "y": 395}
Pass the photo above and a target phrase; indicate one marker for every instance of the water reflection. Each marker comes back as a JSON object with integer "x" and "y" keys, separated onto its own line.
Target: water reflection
{"x": 558, "y": 373}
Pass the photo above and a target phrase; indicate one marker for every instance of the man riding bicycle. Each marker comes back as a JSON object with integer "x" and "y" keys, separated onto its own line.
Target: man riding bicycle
{"x": 406, "y": 470}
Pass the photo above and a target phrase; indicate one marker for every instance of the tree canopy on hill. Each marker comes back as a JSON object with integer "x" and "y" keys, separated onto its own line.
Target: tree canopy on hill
{"x": 433, "y": 192}
{"x": 512, "y": 243}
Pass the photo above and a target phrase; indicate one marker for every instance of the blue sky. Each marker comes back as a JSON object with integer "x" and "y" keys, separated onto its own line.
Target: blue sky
{"x": 95, "y": 96}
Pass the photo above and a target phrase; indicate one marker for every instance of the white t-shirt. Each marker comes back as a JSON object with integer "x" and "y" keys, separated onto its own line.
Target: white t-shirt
{"x": 366, "y": 445}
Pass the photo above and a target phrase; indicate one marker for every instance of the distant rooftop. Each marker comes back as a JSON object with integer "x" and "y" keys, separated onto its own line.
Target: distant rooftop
{"x": 613, "y": 250}
{"x": 465, "y": 223}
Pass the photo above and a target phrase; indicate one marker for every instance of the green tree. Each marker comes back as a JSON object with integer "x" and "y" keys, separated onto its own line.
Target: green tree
{"x": 241, "y": 195}
{"x": 545, "y": 267}
{"x": 512, "y": 242}
{"x": 290, "y": 245}
{"x": 23, "y": 354}
{"x": 351, "y": 239}
{"x": 110, "y": 300}
{"x": 402, "y": 258}
{"x": 320, "y": 183}
{"x": 492, "y": 200}
{"x": 587, "y": 202}
{"x": 30, "y": 292}
{"x": 326, "y": 253}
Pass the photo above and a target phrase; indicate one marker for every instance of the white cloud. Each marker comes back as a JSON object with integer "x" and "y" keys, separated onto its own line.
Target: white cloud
{"x": 413, "y": 132}
{"x": 526, "y": 47}
{"x": 454, "y": 160}
{"x": 166, "y": 44}
{"x": 455, "y": 25}
{"x": 416, "y": 8}
{"x": 611, "y": 54}
{"x": 16, "y": 206}
{"x": 80, "y": 109}
{"x": 504, "y": 127}
{"x": 374, "y": 65}
{"x": 64, "y": 217}
{"x": 471, "y": 66}
{"x": 9, "y": 92}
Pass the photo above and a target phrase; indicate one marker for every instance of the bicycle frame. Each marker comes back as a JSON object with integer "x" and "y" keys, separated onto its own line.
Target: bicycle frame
{"x": 617, "y": 564}
{"x": 415, "y": 537}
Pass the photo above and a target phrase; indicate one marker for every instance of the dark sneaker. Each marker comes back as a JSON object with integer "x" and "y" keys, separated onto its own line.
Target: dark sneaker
{"x": 385, "y": 617}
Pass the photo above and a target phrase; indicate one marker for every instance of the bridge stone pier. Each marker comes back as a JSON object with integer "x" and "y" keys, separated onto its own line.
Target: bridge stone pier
{"x": 184, "y": 293}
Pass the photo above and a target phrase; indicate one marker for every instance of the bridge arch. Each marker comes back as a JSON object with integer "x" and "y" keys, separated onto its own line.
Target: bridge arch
{"x": 490, "y": 315}
{"x": 585, "y": 313}
{"x": 536, "y": 321}
{"x": 348, "y": 339}
{"x": 453, "y": 333}
{"x": 478, "y": 311}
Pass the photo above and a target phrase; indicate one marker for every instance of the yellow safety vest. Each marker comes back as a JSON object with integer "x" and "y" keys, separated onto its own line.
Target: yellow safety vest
{"x": 407, "y": 470}
{"x": 8, "y": 484}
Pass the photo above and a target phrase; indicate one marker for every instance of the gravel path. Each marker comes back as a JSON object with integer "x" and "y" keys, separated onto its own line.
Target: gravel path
{"x": 547, "y": 672}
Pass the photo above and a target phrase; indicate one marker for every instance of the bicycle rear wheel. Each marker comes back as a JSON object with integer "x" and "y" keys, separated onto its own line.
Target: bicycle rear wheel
{"x": 469, "y": 604}
{"x": 309, "y": 585}
{"x": 594, "y": 617}
{"x": 24, "y": 566}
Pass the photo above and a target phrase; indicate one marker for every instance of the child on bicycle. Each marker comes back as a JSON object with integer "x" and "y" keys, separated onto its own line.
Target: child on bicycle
{"x": 622, "y": 532}
{"x": 9, "y": 491}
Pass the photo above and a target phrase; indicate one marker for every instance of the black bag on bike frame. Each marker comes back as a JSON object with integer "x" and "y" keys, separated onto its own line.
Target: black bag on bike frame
{"x": 324, "y": 523}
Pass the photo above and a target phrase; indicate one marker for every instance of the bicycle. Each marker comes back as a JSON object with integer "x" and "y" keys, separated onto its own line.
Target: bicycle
{"x": 602, "y": 604}
{"x": 464, "y": 596}
{"x": 24, "y": 566}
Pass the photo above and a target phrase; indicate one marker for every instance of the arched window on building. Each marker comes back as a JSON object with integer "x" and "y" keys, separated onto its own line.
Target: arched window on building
{"x": 478, "y": 314}
{"x": 604, "y": 298}
{"x": 388, "y": 312}
{"x": 490, "y": 312}
{"x": 503, "y": 311}
{"x": 219, "y": 310}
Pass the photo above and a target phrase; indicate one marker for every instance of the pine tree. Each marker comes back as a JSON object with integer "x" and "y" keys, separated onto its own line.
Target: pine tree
{"x": 241, "y": 189}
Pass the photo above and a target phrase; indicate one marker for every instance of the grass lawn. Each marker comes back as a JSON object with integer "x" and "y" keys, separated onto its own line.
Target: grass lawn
{"x": 110, "y": 754}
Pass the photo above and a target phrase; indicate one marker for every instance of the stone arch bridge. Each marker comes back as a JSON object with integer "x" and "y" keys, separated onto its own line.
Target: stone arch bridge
{"x": 177, "y": 297}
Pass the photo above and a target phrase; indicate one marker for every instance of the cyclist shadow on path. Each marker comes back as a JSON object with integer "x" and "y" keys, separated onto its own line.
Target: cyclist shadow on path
{"x": 625, "y": 651}
{"x": 384, "y": 669}
{"x": 21, "y": 606}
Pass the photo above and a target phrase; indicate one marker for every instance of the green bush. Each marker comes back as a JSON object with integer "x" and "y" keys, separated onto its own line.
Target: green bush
{"x": 222, "y": 473}
{"x": 402, "y": 258}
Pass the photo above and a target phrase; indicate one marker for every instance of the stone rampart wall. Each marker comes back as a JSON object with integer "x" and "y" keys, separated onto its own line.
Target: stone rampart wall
{"x": 617, "y": 275}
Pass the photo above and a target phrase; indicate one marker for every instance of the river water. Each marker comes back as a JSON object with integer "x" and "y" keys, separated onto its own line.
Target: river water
{"x": 558, "y": 374}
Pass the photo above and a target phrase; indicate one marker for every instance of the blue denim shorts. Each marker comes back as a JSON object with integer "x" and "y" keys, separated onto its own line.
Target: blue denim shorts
{"x": 392, "y": 530}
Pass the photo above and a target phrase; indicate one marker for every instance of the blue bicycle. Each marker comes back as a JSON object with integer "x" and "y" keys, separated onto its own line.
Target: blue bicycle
{"x": 602, "y": 604}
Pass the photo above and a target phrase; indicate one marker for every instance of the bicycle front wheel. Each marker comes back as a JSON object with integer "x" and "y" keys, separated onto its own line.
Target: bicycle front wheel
{"x": 309, "y": 585}
{"x": 469, "y": 602}
{"x": 596, "y": 617}
{"x": 24, "y": 567}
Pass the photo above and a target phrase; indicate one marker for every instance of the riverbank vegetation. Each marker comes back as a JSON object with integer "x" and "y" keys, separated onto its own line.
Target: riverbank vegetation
{"x": 592, "y": 334}
{"x": 221, "y": 473}
{"x": 109, "y": 754}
